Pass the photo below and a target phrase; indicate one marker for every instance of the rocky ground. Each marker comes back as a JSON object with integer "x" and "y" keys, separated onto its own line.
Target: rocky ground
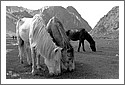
{"x": 103, "y": 64}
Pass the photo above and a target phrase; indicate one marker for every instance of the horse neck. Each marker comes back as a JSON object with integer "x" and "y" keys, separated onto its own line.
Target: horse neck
{"x": 47, "y": 44}
{"x": 89, "y": 39}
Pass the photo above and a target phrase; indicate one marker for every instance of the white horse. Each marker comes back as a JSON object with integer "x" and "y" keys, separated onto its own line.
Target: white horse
{"x": 32, "y": 36}
{"x": 22, "y": 32}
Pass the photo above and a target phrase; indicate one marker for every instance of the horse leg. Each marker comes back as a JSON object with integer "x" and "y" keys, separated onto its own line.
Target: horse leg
{"x": 33, "y": 55}
{"x": 28, "y": 55}
{"x": 38, "y": 61}
{"x": 83, "y": 45}
{"x": 20, "y": 48}
{"x": 79, "y": 45}
{"x": 20, "y": 55}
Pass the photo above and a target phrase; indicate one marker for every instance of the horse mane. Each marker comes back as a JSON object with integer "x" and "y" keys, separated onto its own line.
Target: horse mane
{"x": 88, "y": 37}
{"x": 39, "y": 30}
{"x": 66, "y": 42}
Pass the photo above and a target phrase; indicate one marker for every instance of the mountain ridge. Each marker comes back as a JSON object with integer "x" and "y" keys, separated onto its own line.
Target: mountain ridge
{"x": 108, "y": 25}
{"x": 84, "y": 22}
{"x": 70, "y": 20}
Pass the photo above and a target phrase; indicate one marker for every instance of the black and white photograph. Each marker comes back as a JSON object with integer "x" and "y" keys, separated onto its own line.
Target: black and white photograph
{"x": 62, "y": 42}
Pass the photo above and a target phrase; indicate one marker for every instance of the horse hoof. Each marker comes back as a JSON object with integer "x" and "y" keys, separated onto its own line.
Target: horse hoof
{"x": 33, "y": 73}
{"x": 71, "y": 70}
{"x": 51, "y": 74}
{"x": 58, "y": 73}
{"x": 40, "y": 68}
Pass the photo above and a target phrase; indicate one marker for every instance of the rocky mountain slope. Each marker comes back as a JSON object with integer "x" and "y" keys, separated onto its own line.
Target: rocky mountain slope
{"x": 13, "y": 13}
{"x": 10, "y": 25}
{"x": 68, "y": 19}
{"x": 19, "y": 12}
{"x": 22, "y": 14}
{"x": 84, "y": 22}
{"x": 108, "y": 26}
{"x": 69, "y": 16}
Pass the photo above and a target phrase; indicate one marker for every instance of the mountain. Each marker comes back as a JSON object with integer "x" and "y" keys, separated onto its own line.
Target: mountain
{"x": 10, "y": 25}
{"x": 13, "y": 13}
{"x": 84, "y": 22}
{"x": 69, "y": 16}
{"x": 14, "y": 8}
{"x": 19, "y": 12}
{"x": 68, "y": 19}
{"x": 22, "y": 14}
{"x": 17, "y": 9}
{"x": 11, "y": 16}
{"x": 108, "y": 26}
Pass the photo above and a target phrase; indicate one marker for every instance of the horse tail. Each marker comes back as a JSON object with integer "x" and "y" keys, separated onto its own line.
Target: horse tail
{"x": 19, "y": 39}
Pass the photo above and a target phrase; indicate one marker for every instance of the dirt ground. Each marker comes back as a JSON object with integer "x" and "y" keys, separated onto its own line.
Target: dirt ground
{"x": 103, "y": 64}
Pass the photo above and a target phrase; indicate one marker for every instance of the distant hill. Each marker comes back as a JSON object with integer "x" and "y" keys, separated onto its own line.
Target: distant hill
{"x": 17, "y": 9}
{"x": 10, "y": 26}
{"x": 33, "y": 12}
{"x": 69, "y": 16}
{"x": 13, "y": 13}
{"x": 84, "y": 22}
{"x": 22, "y": 14}
{"x": 11, "y": 16}
{"x": 108, "y": 26}
{"x": 69, "y": 19}
{"x": 19, "y": 12}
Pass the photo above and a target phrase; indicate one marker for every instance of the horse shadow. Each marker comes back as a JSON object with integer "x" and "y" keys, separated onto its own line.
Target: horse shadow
{"x": 82, "y": 71}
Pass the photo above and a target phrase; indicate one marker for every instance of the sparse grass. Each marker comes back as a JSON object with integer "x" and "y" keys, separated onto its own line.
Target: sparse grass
{"x": 103, "y": 64}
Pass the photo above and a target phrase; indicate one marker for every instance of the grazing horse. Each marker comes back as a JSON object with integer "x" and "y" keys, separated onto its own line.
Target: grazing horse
{"x": 81, "y": 35}
{"x": 22, "y": 33}
{"x": 42, "y": 44}
{"x": 57, "y": 32}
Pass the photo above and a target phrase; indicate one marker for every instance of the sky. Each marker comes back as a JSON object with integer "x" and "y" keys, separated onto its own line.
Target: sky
{"x": 91, "y": 11}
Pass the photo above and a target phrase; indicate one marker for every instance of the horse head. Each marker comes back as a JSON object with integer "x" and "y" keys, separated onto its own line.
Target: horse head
{"x": 93, "y": 47}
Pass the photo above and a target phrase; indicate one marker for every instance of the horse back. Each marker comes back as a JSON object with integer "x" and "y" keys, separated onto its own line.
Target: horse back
{"x": 22, "y": 28}
{"x": 74, "y": 35}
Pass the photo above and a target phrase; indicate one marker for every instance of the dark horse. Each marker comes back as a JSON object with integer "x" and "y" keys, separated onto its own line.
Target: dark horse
{"x": 81, "y": 35}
